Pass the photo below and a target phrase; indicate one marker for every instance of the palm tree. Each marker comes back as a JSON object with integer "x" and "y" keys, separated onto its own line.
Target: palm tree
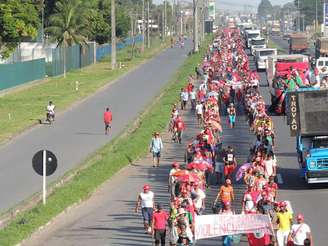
{"x": 68, "y": 25}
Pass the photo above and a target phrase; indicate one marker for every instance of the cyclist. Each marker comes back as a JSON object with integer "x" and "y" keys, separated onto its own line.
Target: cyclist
{"x": 51, "y": 111}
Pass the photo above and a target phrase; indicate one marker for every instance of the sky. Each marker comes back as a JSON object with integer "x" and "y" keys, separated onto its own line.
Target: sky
{"x": 239, "y": 4}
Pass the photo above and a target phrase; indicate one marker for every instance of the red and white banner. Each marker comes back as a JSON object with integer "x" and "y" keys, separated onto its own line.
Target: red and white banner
{"x": 216, "y": 225}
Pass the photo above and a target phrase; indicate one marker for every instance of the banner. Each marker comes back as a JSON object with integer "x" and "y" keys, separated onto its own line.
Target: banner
{"x": 216, "y": 225}
{"x": 211, "y": 10}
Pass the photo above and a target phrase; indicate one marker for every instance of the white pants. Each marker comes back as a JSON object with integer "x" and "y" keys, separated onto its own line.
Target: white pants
{"x": 282, "y": 237}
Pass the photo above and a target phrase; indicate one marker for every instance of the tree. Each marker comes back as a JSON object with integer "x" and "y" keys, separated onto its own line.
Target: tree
{"x": 68, "y": 25}
{"x": 264, "y": 9}
{"x": 308, "y": 9}
{"x": 19, "y": 21}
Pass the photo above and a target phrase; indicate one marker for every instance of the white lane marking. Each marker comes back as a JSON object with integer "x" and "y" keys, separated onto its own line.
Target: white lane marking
{"x": 279, "y": 178}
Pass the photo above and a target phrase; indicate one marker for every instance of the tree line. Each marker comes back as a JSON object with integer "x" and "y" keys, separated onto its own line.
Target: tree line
{"x": 66, "y": 21}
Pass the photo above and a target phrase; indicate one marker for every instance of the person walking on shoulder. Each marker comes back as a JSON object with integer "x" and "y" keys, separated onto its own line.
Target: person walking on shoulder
{"x": 156, "y": 147}
{"x": 108, "y": 117}
{"x": 160, "y": 219}
{"x": 300, "y": 232}
{"x": 146, "y": 201}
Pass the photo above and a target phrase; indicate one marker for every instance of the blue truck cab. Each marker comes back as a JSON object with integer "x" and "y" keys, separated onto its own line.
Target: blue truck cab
{"x": 313, "y": 158}
{"x": 307, "y": 116}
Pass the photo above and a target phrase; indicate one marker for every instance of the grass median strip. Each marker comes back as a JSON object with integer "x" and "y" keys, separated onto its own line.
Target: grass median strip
{"x": 272, "y": 44}
{"x": 22, "y": 109}
{"x": 130, "y": 145}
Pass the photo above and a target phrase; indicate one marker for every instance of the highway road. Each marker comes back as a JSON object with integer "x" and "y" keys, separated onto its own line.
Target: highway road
{"x": 283, "y": 43}
{"x": 108, "y": 218}
{"x": 79, "y": 132}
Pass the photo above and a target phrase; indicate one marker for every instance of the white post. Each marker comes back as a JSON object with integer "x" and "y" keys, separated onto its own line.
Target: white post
{"x": 44, "y": 177}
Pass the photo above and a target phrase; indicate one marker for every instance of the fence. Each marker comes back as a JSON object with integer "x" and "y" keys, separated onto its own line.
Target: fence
{"x": 19, "y": 73}
{"x": 106, "y": 49}
{"x": 53, "y": 62}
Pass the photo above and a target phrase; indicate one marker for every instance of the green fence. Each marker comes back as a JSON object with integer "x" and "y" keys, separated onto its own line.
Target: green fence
{"x": 19, "y": 73}
{"x": 76, "y": 57}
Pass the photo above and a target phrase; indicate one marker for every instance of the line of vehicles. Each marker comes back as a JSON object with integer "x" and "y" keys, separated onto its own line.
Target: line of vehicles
{"x": 307, "y": 113}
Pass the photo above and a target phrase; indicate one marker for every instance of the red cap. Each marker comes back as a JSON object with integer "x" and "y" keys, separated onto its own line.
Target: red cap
{"x": 283, "y": 204}
{"x": 146, "y": 187}
{"x": 300, "y": 217}
{"x": 175, "y": 164}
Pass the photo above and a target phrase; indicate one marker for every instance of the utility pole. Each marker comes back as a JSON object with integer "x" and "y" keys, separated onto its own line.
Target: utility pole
{"x": 195, "y": 20}
{"x": 298, "y": 16}
{"x": 42, "y": 23}
{"x": 113, "y": 26}
{"x": 163, "y": 22}
{"x": 143, "y": 26}
{"x": 148, "y": 26}
{"x": 165, "y": 18}
{"x": 316, "y": 16}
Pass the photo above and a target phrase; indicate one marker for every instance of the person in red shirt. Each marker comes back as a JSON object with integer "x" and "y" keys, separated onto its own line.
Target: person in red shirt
{"x": 108, "y": 117}
{"x": 160, "y": 218}
{"x": 179, "y": 126}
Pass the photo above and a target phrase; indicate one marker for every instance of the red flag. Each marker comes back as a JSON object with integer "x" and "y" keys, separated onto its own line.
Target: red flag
{"x": 258, "y": 239}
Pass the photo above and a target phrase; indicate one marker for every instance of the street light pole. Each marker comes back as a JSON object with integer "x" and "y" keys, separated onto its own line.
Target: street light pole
{"x": 148, "y": 27}
{"x": 195, "y": 20}
{"x": 316, "y": 16}
{"x": 113, "y": 27}
{"x": 143, "y": 26}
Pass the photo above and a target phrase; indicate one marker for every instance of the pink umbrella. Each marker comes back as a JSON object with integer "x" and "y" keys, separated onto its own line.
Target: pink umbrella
{"x": 242, "y": 169}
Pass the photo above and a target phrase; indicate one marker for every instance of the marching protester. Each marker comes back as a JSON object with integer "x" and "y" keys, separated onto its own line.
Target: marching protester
{"x": 224, "y": 76}
{"x": 156, "y": 146}
{"x": 146, "y": 202}
{"x": 108, "y": 117}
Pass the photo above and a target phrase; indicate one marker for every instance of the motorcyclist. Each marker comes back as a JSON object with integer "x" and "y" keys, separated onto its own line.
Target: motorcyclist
{"x": 51, "y": 111}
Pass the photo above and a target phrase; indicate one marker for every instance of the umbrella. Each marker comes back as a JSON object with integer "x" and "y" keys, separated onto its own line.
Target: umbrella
{"x": 242, "y": 170}
{"x": 191, "y": 177}
{"x": 180, "y": 173}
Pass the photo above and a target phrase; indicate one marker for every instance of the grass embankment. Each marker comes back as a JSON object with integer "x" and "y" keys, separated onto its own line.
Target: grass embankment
{"x": 22, "y": 108}
{"x": 130, "y": 145}
{"x": 273, "y": 45}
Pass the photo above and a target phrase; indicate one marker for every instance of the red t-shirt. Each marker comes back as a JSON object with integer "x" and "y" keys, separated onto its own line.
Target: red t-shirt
{"x": 180, "y": 125}
{"x": 160, "y": 220}
{"x": 108, "y": 117}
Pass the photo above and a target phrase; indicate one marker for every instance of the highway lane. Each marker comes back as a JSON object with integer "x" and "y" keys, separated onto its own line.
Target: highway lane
{"x": 79, "y": 132}
{"x": 108, "y": 217}
{"x": 311, "y": 201}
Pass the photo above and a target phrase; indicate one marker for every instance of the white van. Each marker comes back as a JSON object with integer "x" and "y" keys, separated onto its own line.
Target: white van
{"x": 250, "y": 34}
{"x": 261, "y": 57}
{"x": 257, "y": 43}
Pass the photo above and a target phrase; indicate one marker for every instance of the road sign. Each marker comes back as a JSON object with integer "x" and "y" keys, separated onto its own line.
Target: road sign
{"x": 44, "y": 163}
{"x": 51, "y": 162}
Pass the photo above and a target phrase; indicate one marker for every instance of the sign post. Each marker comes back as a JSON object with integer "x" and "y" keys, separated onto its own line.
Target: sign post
{"x": 44, "y": 163}
{"x": 44, "y": 174}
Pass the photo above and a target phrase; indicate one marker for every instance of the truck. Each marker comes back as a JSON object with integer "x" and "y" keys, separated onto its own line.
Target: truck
{"x": 298, "y": 43}
{"x": 278, "y": 68}
{"x": 321, "y": 47}
{"x": 257, "y": 43}
{"x": 307, "y": 118}
{"x": 273, "y": 60}
{"x": 261, "y": 57}
{"x": 250, "y": 34}
{"x": 275, "y": 28}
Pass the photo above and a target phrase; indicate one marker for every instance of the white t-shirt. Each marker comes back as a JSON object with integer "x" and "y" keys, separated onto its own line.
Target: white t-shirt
{"x": 200, "y": 197}
{"x": 192, "y": 95}
{"x": 51, "y": 108}
{"x": 299, "y": 232}
{"x": 268, "y": 167}
{"x": 184, "y": 96}
{"x": 199, "y": 109}
{"x": 147, "y": 199}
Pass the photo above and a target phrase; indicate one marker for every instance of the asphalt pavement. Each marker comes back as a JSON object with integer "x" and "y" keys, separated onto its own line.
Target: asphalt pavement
{"x": 108, "y": 218}
{"x": 283, "y": 43}
{"x": 79, "y": 132}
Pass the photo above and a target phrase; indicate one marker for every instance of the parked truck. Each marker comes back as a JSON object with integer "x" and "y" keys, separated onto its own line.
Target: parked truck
{"x": 321, "y": 47}
{"x": 307, "y": 117}
{"x": 298, "y": 43}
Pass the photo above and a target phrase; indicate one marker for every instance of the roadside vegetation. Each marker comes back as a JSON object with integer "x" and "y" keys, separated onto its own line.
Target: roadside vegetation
{"x": 22, "y": 109}
{"x": 272, "y": 44}
{"x": 129, "y": 146}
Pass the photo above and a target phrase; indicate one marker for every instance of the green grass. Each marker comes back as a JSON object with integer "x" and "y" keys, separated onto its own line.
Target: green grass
{"x": 26, "y": 106}
{"x": 130, "y": 145}
{"x": 273, "y": 45}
